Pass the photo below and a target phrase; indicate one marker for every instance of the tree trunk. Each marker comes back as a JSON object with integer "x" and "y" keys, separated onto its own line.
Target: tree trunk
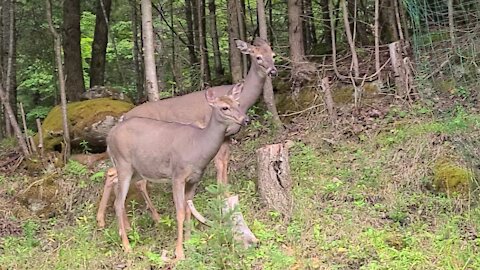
{"x": 8, "y": 81}
{"x": 351, "y": 40}
{"x": 309, "y": 26}
{"x": 149, "y": 51}
{"x": 61, "y": 78}
{"x": 295, "y": 33}
{"x": 190, "y": 33}
{"x": 267, "y": 87}
{"x": 274, "y": 181}
{"x": 137, "y": 54}
{"x": 388, "y": 24}
{"x": 100, "y": 41}
{"x": 161, "y": 59}
{"x": 240, "y": 8}
{"x": 217, "y": 56}
{"x": 74, "y": 83}
{"x": 234, "y": 33}
{"x": 204, "y": 65}
{"x": 9, "y": 60}
{"x": 327, "y": 32}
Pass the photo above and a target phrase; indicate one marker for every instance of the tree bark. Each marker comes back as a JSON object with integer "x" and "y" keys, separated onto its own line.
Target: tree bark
{"x": 137, "y": 53}
{"x": 351, "y": 40}
{"x": 204, "y": 65}
{"x": 61, "y": 78}
{"x": 240, "y": 7}
{"x": 267, "y": 87}
{"x": 274, "y": 181}
{"x": 9, "y": 60}
{"x": 217, "y": 56}
{"x": 149, "y": 51}
{"x": 388, "y": 24}
{"x": 295, "y": 32}
{"x": 190, "y": 33}
{"x": 310, "y": 38}
{"x": 74, "y": 82}
{"x": 234, "y": 33}
{"x": 161, "y": 60}
{"x": 100, "y": 41}
{"x": 9, "y": 64}
{"x": 327, "y": 22}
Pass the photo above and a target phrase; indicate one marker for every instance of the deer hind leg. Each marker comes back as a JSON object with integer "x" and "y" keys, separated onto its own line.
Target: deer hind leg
{"x": 142, "y": 187}
{"x": 180, "y": 205}
{"x": 124, "y": 178}
{"x": 189, "y": 193}
{"x": 110, "y": 180}
{"x": 221, "y": 163}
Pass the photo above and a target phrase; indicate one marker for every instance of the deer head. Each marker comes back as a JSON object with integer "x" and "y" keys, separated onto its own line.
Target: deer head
{"x": 261, "y": 53}
{"x": 226, "y": 108}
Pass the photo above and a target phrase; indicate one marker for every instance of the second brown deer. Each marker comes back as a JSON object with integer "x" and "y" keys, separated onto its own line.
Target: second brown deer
{"x": 143, "y": 148}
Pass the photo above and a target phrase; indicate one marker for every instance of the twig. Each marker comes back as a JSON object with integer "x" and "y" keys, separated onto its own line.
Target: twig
{"x": 19, "y": 161}
{"x": 304, "y": 110}
{"x": 25, "y": 131}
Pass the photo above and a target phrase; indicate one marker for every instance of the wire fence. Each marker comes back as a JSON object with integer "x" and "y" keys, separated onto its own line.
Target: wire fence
{"x": 446, "y": 43}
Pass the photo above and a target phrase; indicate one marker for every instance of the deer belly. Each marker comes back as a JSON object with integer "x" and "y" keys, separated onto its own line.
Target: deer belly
{"x": 165, "y": 180}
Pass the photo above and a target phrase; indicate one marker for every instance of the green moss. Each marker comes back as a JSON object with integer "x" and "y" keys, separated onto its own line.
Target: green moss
{"x": 80, "y": 115}
{"x": 450, "y": 177}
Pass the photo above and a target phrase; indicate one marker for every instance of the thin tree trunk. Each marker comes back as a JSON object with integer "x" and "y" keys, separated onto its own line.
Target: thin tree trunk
{"x": 217, "y": 56}
{"x": 100, "y": 41}
{"x": 241, "y": 28}
{"x": 176, "y": 68}
{"x": 9, "y": 61}
{"x": 451, "y": 25}
{"x": 233, "y": 33}
{"x": 334, "y": 40}
{"x": 297, "y": 52}
{"x": 377, "y": 38}
{"x": 74, "y": 82}
{"x": 204, "y": 65}
{"x": 190, "y": 33}
{"x": 137, "y": 55}
{"x": 9, "y": 112}
{"x": 350, "y": 39}
{"x": 267, "y": 87}
{"x": 160, "y": 49}
{"x": 149, "y": 51}
{"x": 61, "y": 78}
{"x": 327, "y": 22}
{"x": 310, "y": 32}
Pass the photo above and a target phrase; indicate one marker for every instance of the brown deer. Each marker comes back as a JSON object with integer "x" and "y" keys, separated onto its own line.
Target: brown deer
{"x": 143, "y": 148}
{"x": 193, "y": 109}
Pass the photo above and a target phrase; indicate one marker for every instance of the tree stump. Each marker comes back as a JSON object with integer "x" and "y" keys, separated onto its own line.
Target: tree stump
{"x": 401, "y": 69}
{"x": 274, "y": 181}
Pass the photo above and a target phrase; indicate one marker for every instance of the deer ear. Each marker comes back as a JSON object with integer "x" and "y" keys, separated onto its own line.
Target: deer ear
{"x": 210, "y": 96}
{"x": 236, "y": 91}
{"x": 243, "y": 46}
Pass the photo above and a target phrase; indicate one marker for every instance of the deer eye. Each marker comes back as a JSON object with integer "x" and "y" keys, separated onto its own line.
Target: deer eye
{"x": 259, "y": 58}
{"x": 224, "y": 108}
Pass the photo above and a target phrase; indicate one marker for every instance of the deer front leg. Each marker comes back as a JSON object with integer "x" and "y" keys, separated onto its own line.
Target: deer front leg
{"x": 142, "y": 187}
{"x": 124, "y": 178}
{"x": 189, "y": 193}
{"x": 110, "y": 180}
{"x": 221, "y": 162}
{"x": 180, "y": 205}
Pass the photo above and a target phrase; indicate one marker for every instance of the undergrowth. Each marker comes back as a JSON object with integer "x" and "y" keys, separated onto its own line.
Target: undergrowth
{"x": 366, "y": 204}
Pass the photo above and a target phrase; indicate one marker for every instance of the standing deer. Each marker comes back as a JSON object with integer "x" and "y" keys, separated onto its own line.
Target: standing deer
{"x": 193, "y": 109}
{"x": 142, "y": 148}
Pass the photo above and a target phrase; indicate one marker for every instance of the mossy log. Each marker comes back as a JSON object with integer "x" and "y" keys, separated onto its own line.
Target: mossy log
{"x": 90, "y": 121}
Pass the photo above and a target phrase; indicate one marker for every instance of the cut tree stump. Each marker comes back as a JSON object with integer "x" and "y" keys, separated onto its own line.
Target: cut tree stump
{"x": 274, "y": 181}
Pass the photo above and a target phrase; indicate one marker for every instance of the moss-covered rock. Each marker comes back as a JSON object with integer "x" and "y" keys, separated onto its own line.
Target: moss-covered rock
{"x": 450, "y": 177}
{"x": 90, "y": 121}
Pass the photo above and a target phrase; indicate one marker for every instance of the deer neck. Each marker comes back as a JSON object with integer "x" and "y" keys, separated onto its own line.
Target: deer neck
{"x": 212, "y": 135}
{"x": 253, "y": 86}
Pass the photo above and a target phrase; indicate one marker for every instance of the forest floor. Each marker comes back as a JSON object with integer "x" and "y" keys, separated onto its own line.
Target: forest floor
{"x": 396, "y": 190}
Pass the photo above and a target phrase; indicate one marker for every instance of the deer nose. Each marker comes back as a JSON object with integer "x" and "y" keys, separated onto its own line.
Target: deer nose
{"x": 246, "y": 120}
{"x": 273, "y": 72}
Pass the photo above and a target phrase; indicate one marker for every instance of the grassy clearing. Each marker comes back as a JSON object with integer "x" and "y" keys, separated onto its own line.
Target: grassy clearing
{"x": 365, "y": 203}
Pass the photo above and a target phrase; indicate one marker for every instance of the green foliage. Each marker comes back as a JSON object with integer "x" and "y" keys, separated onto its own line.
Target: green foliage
{"x": 75, "y": 169}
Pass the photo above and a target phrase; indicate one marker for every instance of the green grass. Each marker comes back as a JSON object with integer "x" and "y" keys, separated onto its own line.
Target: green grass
{"x": 363, "y": 205}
